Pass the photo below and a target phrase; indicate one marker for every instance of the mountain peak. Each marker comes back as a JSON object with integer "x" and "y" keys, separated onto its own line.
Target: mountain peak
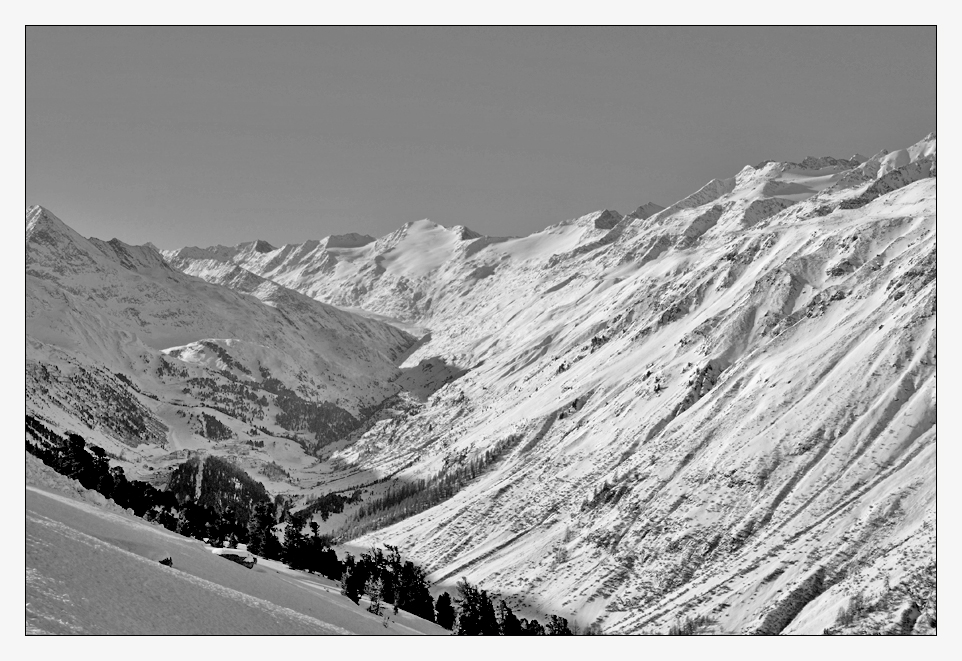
{"x": 423, "y": 224}
{"x": 257, "y": 246}
{"x": 351, "y": 240}
{"x": 646, "y": 210}
{"x": 817, "y": 163}
{"x": 44, "y": 227}
{"x": 38, "y": 215}
{"x": 35, "y": 210}
{"x": 132, "y": 258}
{"x": 262, "y": 246}
{"x": 607, "y": 219}
{"x": 465, "y": 233}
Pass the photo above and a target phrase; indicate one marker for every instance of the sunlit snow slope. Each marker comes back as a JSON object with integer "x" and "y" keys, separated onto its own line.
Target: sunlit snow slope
{"x": 722, "y": 410}
{"x": 726, "y": 408}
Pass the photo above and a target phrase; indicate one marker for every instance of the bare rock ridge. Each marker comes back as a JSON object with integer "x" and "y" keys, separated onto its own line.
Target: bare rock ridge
{"x": 721, "y": 412}
{"x": 645, "y": 210}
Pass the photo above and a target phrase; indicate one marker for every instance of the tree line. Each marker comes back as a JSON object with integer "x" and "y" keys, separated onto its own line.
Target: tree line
{"x": 326, "y": 421}
{"x": 386, "y": 577}
{"x": 231, "y": 509}
{"x": 89, "y": 465}
{"x": 250, "y": 517}
{"x": 407, "y": 499}
{"x": 474, "y": 614}
{"x": 224, "y": 489}
{"x": 219, "y": 520}
{"x": 330, "y": 503}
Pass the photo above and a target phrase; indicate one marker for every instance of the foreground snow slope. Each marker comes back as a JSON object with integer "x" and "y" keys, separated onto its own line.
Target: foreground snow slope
{"x": 727, "y": 407}
{"x": 90, "y": 570}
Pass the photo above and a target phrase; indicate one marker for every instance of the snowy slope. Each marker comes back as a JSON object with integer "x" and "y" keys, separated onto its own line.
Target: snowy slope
{"x": 136, "y": 296}
{"x": 385, "y": 276}
{"x": 723, "y": 409}
{"x": 133, "y": 354}
{"x": 727, "y": 406}
{"x": 93, "y": 570}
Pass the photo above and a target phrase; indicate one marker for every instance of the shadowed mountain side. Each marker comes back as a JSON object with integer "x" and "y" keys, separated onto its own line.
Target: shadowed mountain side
{"x": 428, "y": 376}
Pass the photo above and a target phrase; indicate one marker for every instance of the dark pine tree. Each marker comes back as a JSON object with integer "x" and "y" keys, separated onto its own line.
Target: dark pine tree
{"x": 488, "y": 619}
{"x": 531, "y": 628}
{"x": 558, "y": 626}
{"x": 272, "y": 546}
{"x": 260, "y": 531}
{"x": 444, "y": 610}
{"x": 77, "y": 463}
{"x": 353, "y": 579}
{"x": 412, "y": 592}
{"x": 476, "y": 615}
{"x": 295, "y": 545}
{"x": 508, "y": 622}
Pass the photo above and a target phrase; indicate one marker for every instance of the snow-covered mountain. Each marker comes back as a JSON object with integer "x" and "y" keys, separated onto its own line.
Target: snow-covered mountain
{"x": 723, "y": 410}
{"x": 144, "y": 357}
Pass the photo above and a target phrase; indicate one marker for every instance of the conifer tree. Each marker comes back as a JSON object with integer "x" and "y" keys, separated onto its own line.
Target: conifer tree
{"x": 508, "y": 622}
{"x": 476, "y": 615}
{"x": 260, "y": 530}
{"x": 488, "y": 619}
{"x": 531, "y": 627}
{"x": 558, "y": 626}
{"x": 468, "y": 601}
{"x": 445, "y": 611}
{"x": 295, "y": 544}
{"x": 353, "y": 578}
{"x": 374, "y": 589}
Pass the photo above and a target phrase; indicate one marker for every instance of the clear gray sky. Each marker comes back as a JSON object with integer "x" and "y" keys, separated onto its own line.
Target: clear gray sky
{"x": 196, "y": 136}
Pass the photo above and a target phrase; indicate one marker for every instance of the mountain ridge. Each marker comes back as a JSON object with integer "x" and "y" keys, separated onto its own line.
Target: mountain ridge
{"x": 722, "y": 410}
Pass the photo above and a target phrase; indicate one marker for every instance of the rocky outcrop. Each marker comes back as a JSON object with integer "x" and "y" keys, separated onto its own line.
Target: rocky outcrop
{"x": 606, "y": 220}
{"x": 701, "y": 224}
{"x": 761, "y": 209}
{"x": 892, "y": 181}
{"x": 699, "y": 384}
{"x": 781, "y": 615}
{"x": 645, "y": 211}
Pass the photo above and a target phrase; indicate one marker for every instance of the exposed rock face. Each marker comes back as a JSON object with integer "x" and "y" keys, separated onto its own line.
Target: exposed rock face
{"x": 606, "y": 220}
{"x": 646, "y": 210}
{"x": 812, "y": 163}
{"x": 785, "y": 610}
{"x": 893, "y": 180}
{"x": 700, "y": 383}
